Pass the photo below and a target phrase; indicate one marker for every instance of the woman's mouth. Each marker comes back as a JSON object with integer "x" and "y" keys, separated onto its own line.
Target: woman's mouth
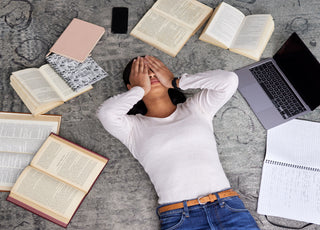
{"x": 154, "y": 81}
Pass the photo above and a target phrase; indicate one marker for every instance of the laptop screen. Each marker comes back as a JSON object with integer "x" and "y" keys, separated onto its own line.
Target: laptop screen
{"x": 301, "y": 68}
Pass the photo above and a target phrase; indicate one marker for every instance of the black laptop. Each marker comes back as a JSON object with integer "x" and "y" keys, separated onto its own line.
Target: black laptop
{"x": 281, "y": 88}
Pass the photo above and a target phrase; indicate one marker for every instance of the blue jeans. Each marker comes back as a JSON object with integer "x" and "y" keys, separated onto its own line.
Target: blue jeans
{"x": 227, "y": 213}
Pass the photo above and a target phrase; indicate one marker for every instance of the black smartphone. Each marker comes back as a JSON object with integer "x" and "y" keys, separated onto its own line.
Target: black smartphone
{"x": 119, "y": 22}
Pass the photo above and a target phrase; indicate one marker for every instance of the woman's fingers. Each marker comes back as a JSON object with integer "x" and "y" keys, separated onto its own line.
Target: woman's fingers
{"x": 137, "y": 66}
{"x": 139, "y": 75}
{"x": 154, "y": 61}
{"x": 133, "y": 66}
{"x": 145, "y": 70}
{"x": 164, "y": 75}
{"x": 141, "y": 64}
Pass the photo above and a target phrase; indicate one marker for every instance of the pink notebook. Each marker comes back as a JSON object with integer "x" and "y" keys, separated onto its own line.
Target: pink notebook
{"x": 78, "y": 40}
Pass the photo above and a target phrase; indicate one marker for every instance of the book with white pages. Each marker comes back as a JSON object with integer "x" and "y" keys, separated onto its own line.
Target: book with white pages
{"x": 168, "y": 25}
{"x": 58, "y": 179}
{"x": 230, "y": 29}
{"x": 42, "y": 89}
{"x": 21, "y": 135}
{"x": 290, "y": 183}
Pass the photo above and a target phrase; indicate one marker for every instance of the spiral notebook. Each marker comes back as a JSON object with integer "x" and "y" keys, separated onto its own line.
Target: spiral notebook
{"x": 290, "y": 183}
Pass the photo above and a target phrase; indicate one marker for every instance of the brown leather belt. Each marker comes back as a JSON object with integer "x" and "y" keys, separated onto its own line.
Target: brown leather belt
{"x": 200, "y": 200}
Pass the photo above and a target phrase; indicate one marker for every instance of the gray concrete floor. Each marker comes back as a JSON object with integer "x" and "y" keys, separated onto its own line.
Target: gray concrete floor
{"x": 123, "y": 197}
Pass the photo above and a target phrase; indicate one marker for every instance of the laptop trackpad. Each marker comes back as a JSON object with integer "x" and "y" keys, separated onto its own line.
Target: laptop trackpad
{"x": 256, "y": 97}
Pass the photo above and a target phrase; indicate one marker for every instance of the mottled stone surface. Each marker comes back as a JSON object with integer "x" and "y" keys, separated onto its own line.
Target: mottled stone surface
{"x": 123, "y": 196}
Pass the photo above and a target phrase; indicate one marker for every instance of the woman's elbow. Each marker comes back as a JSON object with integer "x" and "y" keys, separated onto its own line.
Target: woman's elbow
{"x": 232, "y": 81}
{"x": 105, "y": 114}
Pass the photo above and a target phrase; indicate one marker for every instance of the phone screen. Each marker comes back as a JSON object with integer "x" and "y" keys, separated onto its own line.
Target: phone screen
{"x": 119, "y": 23}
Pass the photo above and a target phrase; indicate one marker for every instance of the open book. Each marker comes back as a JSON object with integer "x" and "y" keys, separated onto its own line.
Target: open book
{"x": 42, "y": 89}
{"x": 168, "y": 25}
{"x": 59, "y": 177}
{"x": 230, "y": 29}
{"x": 21, "y": 136}
{"x": 290, "y": 182}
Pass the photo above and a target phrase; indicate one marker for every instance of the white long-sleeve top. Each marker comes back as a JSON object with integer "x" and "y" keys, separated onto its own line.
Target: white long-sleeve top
{"x": 178, "y": 152}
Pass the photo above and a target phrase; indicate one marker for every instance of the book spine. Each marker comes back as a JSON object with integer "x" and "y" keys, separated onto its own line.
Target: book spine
{"x": 292, "y": 165}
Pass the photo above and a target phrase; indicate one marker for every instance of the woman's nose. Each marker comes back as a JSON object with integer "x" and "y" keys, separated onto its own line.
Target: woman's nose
{"x": 150, "y": 73}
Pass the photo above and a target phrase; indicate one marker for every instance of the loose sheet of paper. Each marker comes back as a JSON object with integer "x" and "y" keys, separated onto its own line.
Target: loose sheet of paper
{"x": 290, "y": 184}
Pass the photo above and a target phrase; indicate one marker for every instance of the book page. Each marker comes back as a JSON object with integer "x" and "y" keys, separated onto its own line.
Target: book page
{"x": 225, "y": 23}
{"x": 48, "y": 192}
{"x": 290, "y": 184}
{"x": 60, "y": 86}
{"x": 159, "y": 31}
{"x": 251, "y": 32}
{"x": 67, "y": 162}
{"x": 29, "y": 101}
{"x": 21, "y": 136}
{"x": 295, "y": 142}
{"x": 24, "y": 136}
{"x": 37, "y": 85}
{"x": 188, "y": 12}
{"x": 290, "y": 192}
{"x": 11, "y": 165}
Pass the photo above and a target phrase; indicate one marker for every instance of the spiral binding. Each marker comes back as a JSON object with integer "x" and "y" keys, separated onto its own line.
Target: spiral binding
{"x": 292, "y": 165}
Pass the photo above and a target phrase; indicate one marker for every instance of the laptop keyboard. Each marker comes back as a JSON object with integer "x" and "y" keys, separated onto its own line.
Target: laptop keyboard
{"x": 278, "y": 90}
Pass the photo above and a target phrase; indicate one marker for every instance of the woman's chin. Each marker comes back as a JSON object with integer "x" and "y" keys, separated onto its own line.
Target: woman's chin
{"x": 158, "y": 87}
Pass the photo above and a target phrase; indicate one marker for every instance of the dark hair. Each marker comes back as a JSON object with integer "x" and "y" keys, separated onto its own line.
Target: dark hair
{"x": 175, "y": 95}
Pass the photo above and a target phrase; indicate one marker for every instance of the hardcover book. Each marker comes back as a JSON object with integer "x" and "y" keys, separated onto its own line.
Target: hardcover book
{"x": 77, "y": 40}
{"x": 58, "y": 179}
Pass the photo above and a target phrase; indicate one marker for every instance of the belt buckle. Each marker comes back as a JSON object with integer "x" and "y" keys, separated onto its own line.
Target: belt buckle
{"x": 199, "y": 198}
